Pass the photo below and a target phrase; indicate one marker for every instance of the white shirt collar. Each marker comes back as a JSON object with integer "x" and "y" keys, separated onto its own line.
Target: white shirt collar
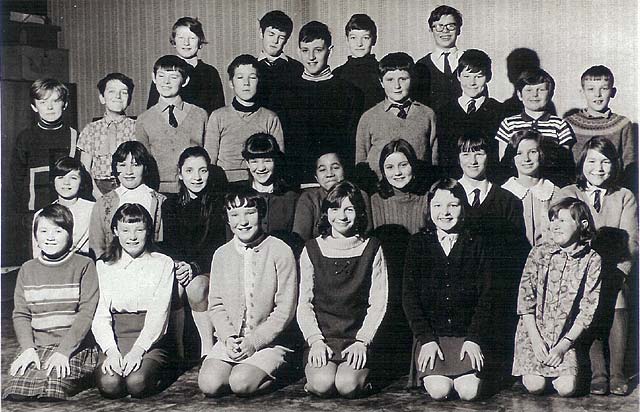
{"x": 464, "y": 100}
{"x": 543, "y": 190}
{"x": 263, "y": 56}
{"x": 469, "y": 185}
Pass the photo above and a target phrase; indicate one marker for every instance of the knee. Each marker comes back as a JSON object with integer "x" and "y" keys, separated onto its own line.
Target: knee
{"x": 565, "y": 385}
{"x": 348, "y": 385}
{"x": 438, "y": 389}
{"x": 139, "y": 385}
{"x": 242, "y": 384}
{"x": 210, "y": 385}
{"x": 320, "y": 384}
{"x": 198, "y": 293}
{"x": 468, "y": 391}
{"x": 111, "y": 387}
{"x": 534, "y": 384}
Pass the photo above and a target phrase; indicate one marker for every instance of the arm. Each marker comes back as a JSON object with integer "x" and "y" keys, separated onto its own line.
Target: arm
{"x": 480, "y": 324}
{"x": 141, "y": 134}
{"x": 378, "y": 298}
{"x": 197, "y": 139}
{"x": 20, "y": 173}
{"x": 566, "y": 137}
{"x": 217, "y": 312}
{"x": 22, "y": 315}
{"x": 628, "y": 143}
{"x": 303, "y": 218}
{"x": 433, "y": 141}
{"x": 102, "y": 327}
{"x": 212, "y": 137}
{"x": 503, "y": 136}
{"x": 363, "y": 139}
{"x": 590, "y": 297}
{"x": 97, "y": 235}
{"x": 629, "y": 223}
{"x": 305, "y": 315}
{"x": 527, "y": 291}
{"x": 217, "y": 98}
{"x": 275, "y": 129}
{"x": 367, "y": 205}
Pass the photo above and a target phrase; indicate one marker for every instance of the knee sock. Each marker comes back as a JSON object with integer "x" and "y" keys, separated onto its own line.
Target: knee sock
{"x": 205, "y": 329}
{"x": 618, "y": 343}
{"x": 176, "y": 320}
{"x": 598, "y": 363}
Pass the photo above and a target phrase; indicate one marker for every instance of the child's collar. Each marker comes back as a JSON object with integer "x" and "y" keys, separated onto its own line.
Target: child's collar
{"x": 55, "y": 262}
{"x": 528, "y": 118}
{"x": 271, "y": 59}
{"x": 322, "y": 76}
{"x": 175, "y": 101}
{"x": 596, "y": 115}
{"x": 45, "y": 125}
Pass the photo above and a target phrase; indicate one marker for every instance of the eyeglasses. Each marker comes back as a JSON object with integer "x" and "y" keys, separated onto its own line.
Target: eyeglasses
{"x": 440, "y": 27}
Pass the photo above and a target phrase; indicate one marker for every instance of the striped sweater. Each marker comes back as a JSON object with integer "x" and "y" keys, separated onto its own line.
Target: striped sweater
{"x": 54, "y": 303}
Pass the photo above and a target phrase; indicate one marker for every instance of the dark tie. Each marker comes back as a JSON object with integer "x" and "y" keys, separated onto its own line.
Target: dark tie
{"x": 447, "y": 66}
{"x": 476, "y": 198}
{"x": 471, "y": 107}
{"x": 596, "y": 201}
{"x": 173, "y": 122}
{"x": 402, "y": 112}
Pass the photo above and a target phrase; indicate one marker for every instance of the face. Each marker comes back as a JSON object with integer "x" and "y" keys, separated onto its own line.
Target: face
{"x": 535, "y": 96}
{"x": 360, "y": 42}
{"x": 116, "y": 96}
{"x": 446, "y": 38}
{"x": 245, "y": 82}
{"x": 187, "y": 43}
{"x": 329, "y": 171}
{"x": 597, "y": 93}
{"x": 130, "y": 172}
{"x": 396, "y": 85}
{"x": 244, "y": 223}
{"x": 261, "y": 169}
{"x": 342, "y": 219}
{"x": 132, "y": 236}
{"x": 168, "y": 82}
{"x": 472, "y": 84}
{"x": 445, "y": 210}
{"x": 273, "y": 41}
{"x": 314, "y": 55}
{"x": 527, "y": 158}
{"x": 564, "y": 229}
{"x": 474, "y": 164}
{"x": 596, "y": 168}
{"x": 67, "y": 186}
{"x": 50, "y": 107}
{"x": 52, "y": 240}
{"x": 194, "y": 174}
{"x": 397, "y": 170}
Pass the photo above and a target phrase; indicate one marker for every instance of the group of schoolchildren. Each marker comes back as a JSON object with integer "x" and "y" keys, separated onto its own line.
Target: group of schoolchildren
{"x": 513, "y": 269}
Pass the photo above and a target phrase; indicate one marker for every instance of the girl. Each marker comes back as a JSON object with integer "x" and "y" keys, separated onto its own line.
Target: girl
{"x": 132, "y": 165}
{"x": 265, "y": 161}
{"x": 343, "y": 296}
{"x": 447, "y": 297}
{"x": 193, "y": 230}
{"x": 252, "y": 298}
{"x": 133, "y": 310}
{"x": 558, "y": 295}
{"x": 56, "y": 359}
{"x": 535, "y": 192}
{"x": 72, "y": 183}
{"x": 615, "y": 212}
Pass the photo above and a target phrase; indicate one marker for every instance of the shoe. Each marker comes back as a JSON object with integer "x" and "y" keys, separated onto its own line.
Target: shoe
{"x": 619, "y": 387}
{"x": 599, "y": 387}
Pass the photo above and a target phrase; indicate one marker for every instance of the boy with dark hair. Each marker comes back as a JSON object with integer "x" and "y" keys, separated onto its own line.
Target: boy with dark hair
{"x": 205, "y": 87}
{"x": 361, "y": 68}
{"x": 397, "y": 117}
{"x": 171, "y": 125}
{"x": 99, "y": 139}
{"x": 277, "y": 70}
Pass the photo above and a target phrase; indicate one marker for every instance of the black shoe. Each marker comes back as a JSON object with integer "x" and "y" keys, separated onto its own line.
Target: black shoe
{"x": 599, "y": 387}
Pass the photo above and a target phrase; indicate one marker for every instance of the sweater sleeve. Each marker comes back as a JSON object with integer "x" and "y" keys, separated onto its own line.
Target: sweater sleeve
{"x": 213, "y": 135}
{"x": 629, "y": 223}
{"x": 527, "y": 291}
{"x": 86, "y": 309}
{"x": 22, "y": 315}
{"x": 141, "y": 133}
{"x": 303, "y": 218}
{"x": 305, "y": 315}
{"x": 20, "y": 172}
{"x": 217, "y": 311}
{"x": 275, "y": 130}
{"x": 629, "y": 145}
{"x": 378, "y": 298}
{"x": 481, "y": 321}
{"x": 363, "y": 139}
{"x": 367, "y": 205}
{"x": 102, "y": 325}
{"x": 97, "y": 235}
{"x": 433, "y": 140}
{"x": 217, "y": 95}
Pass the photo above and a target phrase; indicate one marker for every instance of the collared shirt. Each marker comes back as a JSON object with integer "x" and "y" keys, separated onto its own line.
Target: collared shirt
{"x": 140, "y": 195}
{"x": 605, "y": 115}
{"x": 389, "y": 105}
{"x": 101, "y": 138}
{"x": 264, "y": 56}
{"x": 437, "y": 58}
{"x": 591, "y": 190}
{"x": 469, "y": 185}
{"x": 464, "y": 100}
{"x": 179, "y": 110}
{"x": 446, "y": 240}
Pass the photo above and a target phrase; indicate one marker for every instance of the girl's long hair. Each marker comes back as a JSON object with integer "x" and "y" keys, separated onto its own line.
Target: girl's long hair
{"x": 207, "y": 197}
{"x": 341, "y": 191}
{"x": 128, "y": 213}
{"x": 603, "y": 146}
{"x": 68, "y": 164}
{"x": 455, "y": 188}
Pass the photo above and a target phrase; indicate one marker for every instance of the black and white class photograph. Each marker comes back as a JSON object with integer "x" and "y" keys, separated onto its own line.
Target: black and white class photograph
{"x": 319, "y": 205}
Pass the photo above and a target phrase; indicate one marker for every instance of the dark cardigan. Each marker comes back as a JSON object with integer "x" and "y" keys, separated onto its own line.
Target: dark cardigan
{"x": 363, "y": 73}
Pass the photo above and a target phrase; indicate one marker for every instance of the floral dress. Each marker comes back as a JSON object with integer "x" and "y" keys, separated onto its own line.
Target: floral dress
{"x": 561, "y": 288}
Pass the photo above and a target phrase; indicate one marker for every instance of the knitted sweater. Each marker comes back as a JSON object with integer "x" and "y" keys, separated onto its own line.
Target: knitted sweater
{"x": 363, "y": 73}
{"x": 275, "y": 80}
{"x": 404, "y": 209}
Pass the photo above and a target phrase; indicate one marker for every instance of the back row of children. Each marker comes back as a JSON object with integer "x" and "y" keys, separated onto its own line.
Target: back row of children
{"x": 246, "y": 135}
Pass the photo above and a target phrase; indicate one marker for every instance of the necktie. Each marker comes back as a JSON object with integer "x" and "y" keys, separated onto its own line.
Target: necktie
{"x": 173, "y": 122}
{"x": 471, "y": 107}
{"x": 112, "y": 137}
{"x": 447, "y": 66}
{"x": 596, "y": 201}
{"x": 476, "y": 198}
{"x": 402, "y": 112}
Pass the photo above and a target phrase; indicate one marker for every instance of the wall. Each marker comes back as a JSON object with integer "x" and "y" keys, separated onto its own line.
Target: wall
{"x": 568, "y": 35}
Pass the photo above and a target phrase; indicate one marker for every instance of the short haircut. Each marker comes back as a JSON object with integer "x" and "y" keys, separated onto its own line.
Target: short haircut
{"x": 171, "y": 62}
{"x": 42, "y": 88}
{"x": 395, "y": 61}
{"x": 245, "y": 197}
{"x": 472, "y": 143}
{"x": 440, "y": 11}
{"x": 476, "y": 61}
{"x": 517, "y": 138}
{"x": 129, "y": 213}
{"x": 315, "y": 30}
{"x": 450, "y": 185}
{"x": 599, "y": 72}
{"x": 362, "y": 22}
{"x": 243, "y": 59}
{"x": 606, "y": 148}
{"x": 327, "y": 151}
{"x": 396, "y": 146}
{"x": 531, "y": 77}
{"x": 260, "y": 146}
{"x": 192, "y": 24}
{"x": 138, "y": 152}
{"x": 579, "y": 211}
{"x": 102, "y": 84}
{"x": 68, "y": 164}
{"x": 341, "y": 191}
{"x": 278, "y": 20}
{"x": 59, "y": 215}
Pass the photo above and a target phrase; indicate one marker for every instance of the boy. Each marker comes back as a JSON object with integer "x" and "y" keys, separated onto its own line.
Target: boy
{"x": 361, "y": 68}
{"x": 597, "y": 119}
{"x": 171, "y": 125}
{"x": 437, "y": 83}
{"x": 321, "y": 110}
{"x": 99, "y": 139}
{"x": 277, "y": 70}
{"x": 397, "y": 117}
{"x": 229, "y": 127}
{"x": 40, "y": 146}
{"x": 473, "y": 112}
{"x": 535, "y": 89}
{"x": 205, "y": 86}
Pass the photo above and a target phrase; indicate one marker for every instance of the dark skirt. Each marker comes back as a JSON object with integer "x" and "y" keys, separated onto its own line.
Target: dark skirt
{"x": 337, "y": 346}
{"x": 452, "y": 366}
{"x": 127, "y": 328}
